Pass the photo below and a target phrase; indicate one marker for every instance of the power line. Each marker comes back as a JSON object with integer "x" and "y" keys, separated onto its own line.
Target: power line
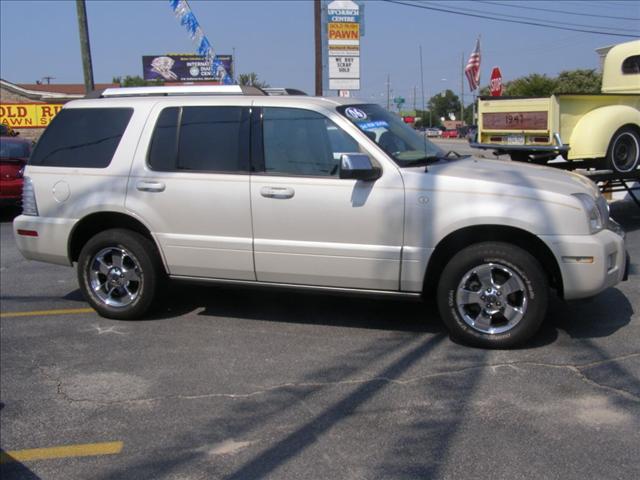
{"x": 562, "y": 24}
{"x": 510, "y": 5}
{"x": 522, "y": 22}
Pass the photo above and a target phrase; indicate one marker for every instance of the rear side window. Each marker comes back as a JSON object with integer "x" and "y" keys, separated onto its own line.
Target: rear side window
{"x": 82, "y": 137}
{"x": 631, "y": 65}
{"x": 201, "y": 139}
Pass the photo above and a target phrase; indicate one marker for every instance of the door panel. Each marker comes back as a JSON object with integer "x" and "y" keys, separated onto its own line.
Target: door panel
{"x": 326, "y": 230}
{"x": 201, "y": 219}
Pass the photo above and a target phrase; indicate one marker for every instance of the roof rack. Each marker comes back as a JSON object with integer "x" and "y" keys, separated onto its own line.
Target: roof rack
{"x": 176, "y": 90}
{"x": 283, "y": 91}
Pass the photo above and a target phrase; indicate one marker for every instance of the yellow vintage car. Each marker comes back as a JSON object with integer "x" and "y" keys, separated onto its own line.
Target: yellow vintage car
{"x": 603, "y": 129}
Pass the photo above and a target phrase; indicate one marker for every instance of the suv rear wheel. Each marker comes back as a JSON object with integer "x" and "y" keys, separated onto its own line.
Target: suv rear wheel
{"x": 493, "y": 295}
{"x": 119, "y": 273}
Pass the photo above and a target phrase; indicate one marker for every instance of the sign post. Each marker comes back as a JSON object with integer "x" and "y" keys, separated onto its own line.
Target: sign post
{"x": 495, "y": 85}
{"x": 343, "y": 35}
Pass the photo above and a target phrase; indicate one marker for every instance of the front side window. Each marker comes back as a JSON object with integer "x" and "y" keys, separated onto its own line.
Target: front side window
{"x": 631, "y": 65}
{"x": 303, "y": 142}
{"x": 82, "y": 137}
{"x": 201, "y": 139}
{"x": 401, "y": 142}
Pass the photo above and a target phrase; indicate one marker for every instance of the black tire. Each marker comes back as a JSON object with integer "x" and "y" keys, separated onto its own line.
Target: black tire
{"x": 623, "y": 154}
{"x": 502, "y": 260}
{"x": 519, "y": 156}
{"x": 140, "y": 263}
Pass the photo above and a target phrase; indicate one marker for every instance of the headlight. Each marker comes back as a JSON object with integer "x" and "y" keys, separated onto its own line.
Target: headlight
{"x": 597, "y": 212}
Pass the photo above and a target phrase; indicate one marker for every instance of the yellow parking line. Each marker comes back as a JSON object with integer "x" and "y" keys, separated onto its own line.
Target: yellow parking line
{"x": 37, "y": 313}
{"x": 82, "y": 450}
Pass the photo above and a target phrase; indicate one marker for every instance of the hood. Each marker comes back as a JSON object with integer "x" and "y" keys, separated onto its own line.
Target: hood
{"x": 515, "y": 174}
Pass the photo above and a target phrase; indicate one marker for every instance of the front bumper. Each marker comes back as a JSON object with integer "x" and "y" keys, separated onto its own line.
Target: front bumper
{"x": 589, "y": 264}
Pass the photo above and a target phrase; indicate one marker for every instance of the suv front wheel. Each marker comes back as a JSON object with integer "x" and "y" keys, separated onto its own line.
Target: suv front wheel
{"x": 493, "y": 295}
{"x": 119, "y": 273}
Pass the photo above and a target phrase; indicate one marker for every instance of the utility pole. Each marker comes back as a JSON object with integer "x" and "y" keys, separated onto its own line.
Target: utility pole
{"x": 234, "y": 64}
{"x": 414, "y": 97}
{"x": 317, "y": 16}
{"x": 85, "y": 48}
{"x": 48, "y": 79}
{"x": 388, "y": 92}
{"x": 462, "y": 89}
{"x": 422, "y": 91}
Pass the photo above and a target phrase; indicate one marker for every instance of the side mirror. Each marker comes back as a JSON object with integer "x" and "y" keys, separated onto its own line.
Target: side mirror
{"x": 358, "y": 166}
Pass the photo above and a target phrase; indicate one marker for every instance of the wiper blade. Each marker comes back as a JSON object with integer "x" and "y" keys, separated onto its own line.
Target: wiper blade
{"x": 421, "y": 161}
{"x": 456, "y": 155}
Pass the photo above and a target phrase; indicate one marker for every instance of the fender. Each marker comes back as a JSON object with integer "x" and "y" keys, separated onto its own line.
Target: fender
{"x": 593, "y": 132}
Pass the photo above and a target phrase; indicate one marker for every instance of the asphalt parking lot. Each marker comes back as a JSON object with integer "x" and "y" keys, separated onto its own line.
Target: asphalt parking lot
{"x": 247, "y": 384}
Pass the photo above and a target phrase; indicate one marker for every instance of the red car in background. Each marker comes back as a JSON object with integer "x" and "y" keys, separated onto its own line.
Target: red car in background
{"x": 14, "y": 153}
{"x": 453, "y": 133}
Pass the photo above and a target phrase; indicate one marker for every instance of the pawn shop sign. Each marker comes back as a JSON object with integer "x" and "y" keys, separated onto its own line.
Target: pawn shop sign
{"x": 495, "y": 85}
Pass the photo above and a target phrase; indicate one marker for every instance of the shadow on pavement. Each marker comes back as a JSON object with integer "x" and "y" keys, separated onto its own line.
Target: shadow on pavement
{"x": 627, "y": 214}
{"x": 248, "y": 417}
{"x": 598, "y": 317}
{"x": 7, "y": 214}
{"x": 12, "y": 469}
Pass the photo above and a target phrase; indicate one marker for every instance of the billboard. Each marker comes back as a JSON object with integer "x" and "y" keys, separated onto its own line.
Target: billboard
{"x": 343, "y": 32}
{"x": 28, "y": 115}
{"x": 185, "y": 67}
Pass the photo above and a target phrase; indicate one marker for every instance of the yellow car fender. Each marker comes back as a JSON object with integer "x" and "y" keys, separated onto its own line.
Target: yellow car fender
{"x": 593, "y": 132}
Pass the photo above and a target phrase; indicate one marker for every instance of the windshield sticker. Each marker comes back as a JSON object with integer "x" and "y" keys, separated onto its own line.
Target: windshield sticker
{"x": 355, "y": 113}
{"x": 373, "y": 125}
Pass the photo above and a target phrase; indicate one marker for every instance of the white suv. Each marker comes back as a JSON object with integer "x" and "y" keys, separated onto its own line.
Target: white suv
{"x": 227, "y": 185}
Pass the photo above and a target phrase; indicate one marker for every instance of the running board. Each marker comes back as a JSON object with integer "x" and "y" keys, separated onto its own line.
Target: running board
{"x": 293, "y": 286}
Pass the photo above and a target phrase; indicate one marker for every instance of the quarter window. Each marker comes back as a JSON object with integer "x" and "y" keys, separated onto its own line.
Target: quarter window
{"x": 202, "y": 139}
{"x": 302, "y": 142}
{"x": 631, "y": 65}
{"x": 82, "y": 137}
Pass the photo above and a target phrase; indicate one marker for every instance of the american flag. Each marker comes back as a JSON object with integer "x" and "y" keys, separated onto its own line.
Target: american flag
{"x": 472, "y": 70}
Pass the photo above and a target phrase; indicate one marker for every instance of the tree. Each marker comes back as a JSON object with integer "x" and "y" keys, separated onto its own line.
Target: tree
{"x": 251, "y": 80}
{"x": 137, "y": 81}
{"x": 579, "y": 81}
{"x": 537, "y": 85}
{"x": 443, "y": 104}
{"x": 534, "y": 85}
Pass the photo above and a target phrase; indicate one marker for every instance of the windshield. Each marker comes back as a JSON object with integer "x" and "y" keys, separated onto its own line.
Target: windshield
{"x": 406, "y": 146}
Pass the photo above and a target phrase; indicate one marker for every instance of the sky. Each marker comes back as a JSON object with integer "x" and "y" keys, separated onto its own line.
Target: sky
{"x": 275, "y": 40}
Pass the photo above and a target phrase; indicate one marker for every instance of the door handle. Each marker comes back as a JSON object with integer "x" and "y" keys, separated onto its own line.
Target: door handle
{"x": 277, "y": 192}
{"x": 150, "y": 186}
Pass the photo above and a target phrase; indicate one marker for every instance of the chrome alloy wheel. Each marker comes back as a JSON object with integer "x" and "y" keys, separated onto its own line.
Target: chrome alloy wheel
{"x": 115, "y": 277}
{"x": 491, "y": 298}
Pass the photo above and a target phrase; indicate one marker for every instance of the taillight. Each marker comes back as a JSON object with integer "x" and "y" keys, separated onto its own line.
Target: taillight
{"x": 29, "y": 206}
{"x": 540, "y": 139}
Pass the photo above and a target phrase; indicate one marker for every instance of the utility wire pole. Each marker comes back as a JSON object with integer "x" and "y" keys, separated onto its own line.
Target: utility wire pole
{"x": 85, "y": 48}
{"x": 317, "y": 16}
{"x": 422, "y": 90}
{"x": 462, "y": 89}
{"x": 388, "y": 92}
